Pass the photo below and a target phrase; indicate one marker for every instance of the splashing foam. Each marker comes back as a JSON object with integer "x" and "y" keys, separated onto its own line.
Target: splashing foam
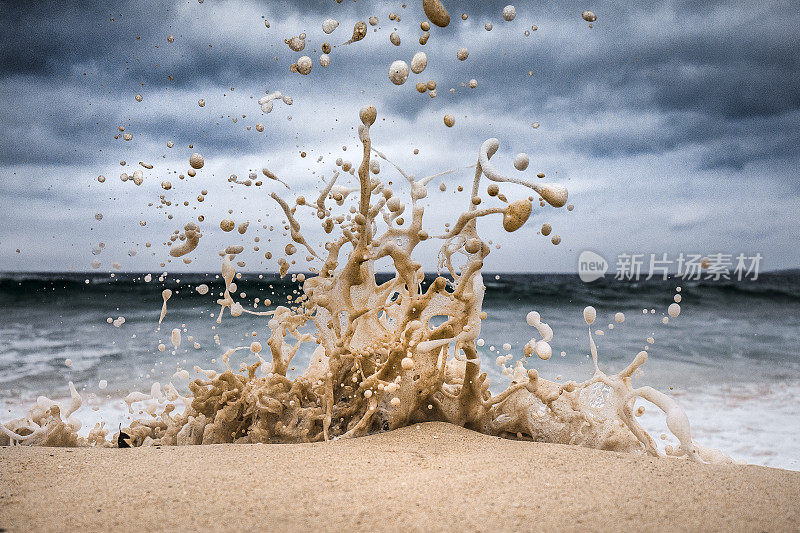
{"x": 379, "y": 363}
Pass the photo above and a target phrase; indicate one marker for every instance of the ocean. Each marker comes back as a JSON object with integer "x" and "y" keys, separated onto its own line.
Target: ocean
{"x": 729, "y": 358}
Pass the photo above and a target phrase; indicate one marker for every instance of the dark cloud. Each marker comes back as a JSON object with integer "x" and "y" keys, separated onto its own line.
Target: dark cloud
{"x": 705, "y": 96}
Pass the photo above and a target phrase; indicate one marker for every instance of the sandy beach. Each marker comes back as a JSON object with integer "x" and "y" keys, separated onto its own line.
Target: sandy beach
{"x": 422, "y": 478}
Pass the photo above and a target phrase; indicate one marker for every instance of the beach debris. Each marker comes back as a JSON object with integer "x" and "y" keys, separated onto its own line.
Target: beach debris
{"x": 123, "y": 439}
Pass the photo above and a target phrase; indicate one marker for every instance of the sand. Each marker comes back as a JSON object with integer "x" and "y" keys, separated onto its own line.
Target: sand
{"x": 433, "y": 476}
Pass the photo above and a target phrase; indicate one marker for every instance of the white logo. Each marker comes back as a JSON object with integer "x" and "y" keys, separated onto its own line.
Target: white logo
{"x": 591, "y": 266}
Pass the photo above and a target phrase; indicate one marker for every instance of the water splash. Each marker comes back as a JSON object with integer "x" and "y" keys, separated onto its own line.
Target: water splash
{"x": 388, "y": 354}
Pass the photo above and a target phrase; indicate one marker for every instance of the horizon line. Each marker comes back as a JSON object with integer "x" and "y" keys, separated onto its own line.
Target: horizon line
{"x": 243, "y": 272}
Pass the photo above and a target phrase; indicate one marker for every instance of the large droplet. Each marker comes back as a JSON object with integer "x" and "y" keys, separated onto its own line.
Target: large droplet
{"x": 516, "y": 214}
{"x": 436, "y": 12}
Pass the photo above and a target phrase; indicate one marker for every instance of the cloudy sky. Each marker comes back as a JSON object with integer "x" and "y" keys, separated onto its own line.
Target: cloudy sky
{"x": 674, "y": 125}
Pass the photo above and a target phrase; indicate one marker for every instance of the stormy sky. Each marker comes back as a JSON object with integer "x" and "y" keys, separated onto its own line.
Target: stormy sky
{"x": 674, "y": 125}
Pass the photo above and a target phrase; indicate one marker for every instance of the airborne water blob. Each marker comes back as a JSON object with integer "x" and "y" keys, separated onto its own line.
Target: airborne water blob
{"x": 166, "y": 294}
{"x": 359, "y": 32}
{"x": 304, "y": 65}
{"x": 328, "y": 25}
{"x": 296, "y": 43}
{"x": 436, "y": 12}
{"x": 543, "y": 350}
{"x": 196, "y": 161}
{"x": 589, "y": 315}
{"x": 191, "y": 238}
{"x": 398, "y": 72}
{"x": 516, "y": 214}
{"x": 418, "y": 62}
{"x": 521, "y": 161}
{"x": 175, "y": 338}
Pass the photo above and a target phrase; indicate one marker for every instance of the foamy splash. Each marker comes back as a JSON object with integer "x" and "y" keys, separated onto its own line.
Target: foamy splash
{"x": 381, "y": 362}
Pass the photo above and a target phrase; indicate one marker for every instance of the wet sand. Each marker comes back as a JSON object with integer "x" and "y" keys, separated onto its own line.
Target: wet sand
{"x": 421, "y": 478}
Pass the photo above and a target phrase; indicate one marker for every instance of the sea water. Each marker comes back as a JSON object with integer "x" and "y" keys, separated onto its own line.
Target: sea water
{"x": 738, "y": 380}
